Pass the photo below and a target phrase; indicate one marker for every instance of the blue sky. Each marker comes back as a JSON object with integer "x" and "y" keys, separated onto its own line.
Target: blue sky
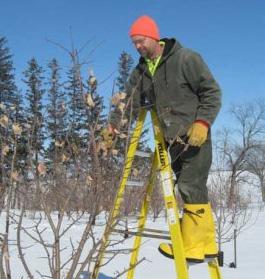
{"x": 230, "y": 35}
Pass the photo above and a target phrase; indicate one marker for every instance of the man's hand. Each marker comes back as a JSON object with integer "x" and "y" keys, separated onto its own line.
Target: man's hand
{"x": 197, "y": 133}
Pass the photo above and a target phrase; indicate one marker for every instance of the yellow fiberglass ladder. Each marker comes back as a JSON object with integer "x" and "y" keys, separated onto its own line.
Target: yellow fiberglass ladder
{"x": 160, "y": 163}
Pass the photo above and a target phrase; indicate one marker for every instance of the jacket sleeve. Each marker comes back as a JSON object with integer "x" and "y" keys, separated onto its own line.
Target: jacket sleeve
{"x": 204, "y": 85}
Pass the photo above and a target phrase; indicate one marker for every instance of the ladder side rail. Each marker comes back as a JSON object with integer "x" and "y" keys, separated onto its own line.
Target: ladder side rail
{"x": 120, "y": 193}
{"x": 142, "y": 220}
{"x": 214, "y": 269}
{"x": 170, "y": 200}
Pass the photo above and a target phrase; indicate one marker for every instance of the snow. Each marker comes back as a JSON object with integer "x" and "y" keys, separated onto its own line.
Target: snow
{"x": 250, "y": 254}
{"x": 250, "y": 257}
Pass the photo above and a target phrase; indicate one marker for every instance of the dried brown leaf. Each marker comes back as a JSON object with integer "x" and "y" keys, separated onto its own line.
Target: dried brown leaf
{"x": 122, "y": 95}
{"x": 14, "y": 175}
{"x": 59, "y": 143}
{"x": 123, "y": 136}
{"x": 89, "y": 100}
{"x": 17, "y": 130}
{"x": 5, "y": 150}
{"x": 135, "y": 172}
{"x": 65, "y": 158}
{"x": 115, "y": 99}
{"x": 92, "y": 81}
{"x": 42, "y": 169}
{"x": 121, "y": 106}
{"x": 4, "y": 121}
{"x": 89, "y": 179}
{"x": 98, "y": 127}
{"x": 75, "y": 149}
{"x": 124, "y": 121}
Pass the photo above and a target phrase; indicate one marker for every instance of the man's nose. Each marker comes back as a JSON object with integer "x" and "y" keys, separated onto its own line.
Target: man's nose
{"x": 137, "y": 45}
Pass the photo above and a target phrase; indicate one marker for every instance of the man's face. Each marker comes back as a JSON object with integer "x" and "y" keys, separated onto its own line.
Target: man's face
{"x": 144, "y": 45}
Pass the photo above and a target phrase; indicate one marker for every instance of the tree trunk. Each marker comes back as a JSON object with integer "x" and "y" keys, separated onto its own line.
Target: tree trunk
{"x": 263, "y": 191}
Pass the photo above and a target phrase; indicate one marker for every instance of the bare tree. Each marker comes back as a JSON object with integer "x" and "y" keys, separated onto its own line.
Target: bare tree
{"x": 256, "y": 165}
{"x": 79, "y": 182}
{"x": 230, "y": 180}
{"x": 239, "y": 214}
{"x": 250, "y": 123}
{"x": 10, "y": 179}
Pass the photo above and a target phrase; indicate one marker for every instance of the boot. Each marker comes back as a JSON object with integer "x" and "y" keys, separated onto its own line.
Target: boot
{"x": 210, "y": 250}
{"x": 194, "y": 227}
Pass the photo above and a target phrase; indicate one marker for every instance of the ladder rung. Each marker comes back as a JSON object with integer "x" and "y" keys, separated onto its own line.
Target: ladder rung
{"x": 143, "y": 154}
{"x": 135, "y": 183}
{"x": 156, "y": 231}
{"x": 149, "y": 235}
{"x": 126, "y": 251}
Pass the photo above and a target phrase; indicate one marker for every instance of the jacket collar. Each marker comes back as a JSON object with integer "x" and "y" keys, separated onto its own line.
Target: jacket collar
{"x": 171, "y": 45}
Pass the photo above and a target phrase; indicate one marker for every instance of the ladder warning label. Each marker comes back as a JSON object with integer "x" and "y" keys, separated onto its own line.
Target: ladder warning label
{"x": 171, "y": 216}
{"x": 166, "y": 182}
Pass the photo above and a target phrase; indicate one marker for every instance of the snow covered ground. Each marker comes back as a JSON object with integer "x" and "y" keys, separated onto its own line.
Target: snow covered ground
{"x": 250, "y": 255}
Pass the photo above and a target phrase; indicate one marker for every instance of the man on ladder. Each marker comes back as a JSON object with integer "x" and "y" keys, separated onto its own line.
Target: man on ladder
{"x": 178, "y": 83}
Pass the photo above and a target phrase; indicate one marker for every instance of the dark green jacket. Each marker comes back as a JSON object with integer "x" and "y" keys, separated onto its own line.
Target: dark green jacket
{"x": 182, "y": 89}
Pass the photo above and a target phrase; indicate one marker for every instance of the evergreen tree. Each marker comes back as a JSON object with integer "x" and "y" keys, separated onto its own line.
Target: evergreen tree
{"x": 76, "y": 106}
{"x": 8, "y": 100}
{"x": 56, "y": 126}
{"x": 124, "y": 67}
{"x": 34, "y": 94}
{"x": 8, "y": 89}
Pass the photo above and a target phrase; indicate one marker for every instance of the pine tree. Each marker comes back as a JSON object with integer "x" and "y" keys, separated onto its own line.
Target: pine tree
{"x": 8, "y": 89}
{"x": 76, "y": 106}
{"x": 34, "y": 94}
{"x": 8, "y": 100}
{"x": 125, "y": 66}
{"x": 56, "y": 126}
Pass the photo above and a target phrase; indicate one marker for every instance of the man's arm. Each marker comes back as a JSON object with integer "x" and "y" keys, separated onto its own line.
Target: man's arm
{"x": 204, "y": 85}
{"x": 208, "y": 91}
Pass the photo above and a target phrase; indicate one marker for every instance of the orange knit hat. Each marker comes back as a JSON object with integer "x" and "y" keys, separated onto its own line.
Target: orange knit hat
{"x": 145, "y": 26}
